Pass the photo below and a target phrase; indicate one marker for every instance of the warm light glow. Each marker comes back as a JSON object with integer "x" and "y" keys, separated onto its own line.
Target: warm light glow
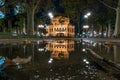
{"x": 60, "y": 27}
{"x": 40, "y": 26}
{"x": 59, "y": 48}
{"x": 85, "y": 26}
{"x": 50, "y": 15}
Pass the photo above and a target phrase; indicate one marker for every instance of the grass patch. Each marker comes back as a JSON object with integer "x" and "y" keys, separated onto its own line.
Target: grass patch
{"x": 13, "y": 36}
{"x": 5, "y": 35}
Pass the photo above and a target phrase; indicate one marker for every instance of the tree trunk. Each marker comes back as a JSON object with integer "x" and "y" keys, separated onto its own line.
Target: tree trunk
{"x": 9, "y": 25}
{"x": 109, "y": 30}
{"x": 30, "y": 21}
{"x": 117, "y": 24}
{"x": 92, "y": 30}
{"x": 102, "y": 32}
{"x": 24, "y": 27}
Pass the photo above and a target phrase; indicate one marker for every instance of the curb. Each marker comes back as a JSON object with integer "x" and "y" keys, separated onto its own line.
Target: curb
{"x": 108, "y": 61}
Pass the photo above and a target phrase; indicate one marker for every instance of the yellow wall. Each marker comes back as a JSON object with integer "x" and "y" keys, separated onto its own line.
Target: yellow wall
{"x": 60, "y": 27}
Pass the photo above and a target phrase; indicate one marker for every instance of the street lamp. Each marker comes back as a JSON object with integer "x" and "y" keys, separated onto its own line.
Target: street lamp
{"x": 87, "y": 15}
{"x": 86, "y": 26}
{"x": 86, "y": 29}
{"x": 50, "y": 14}
{"x": 40, "y": 27}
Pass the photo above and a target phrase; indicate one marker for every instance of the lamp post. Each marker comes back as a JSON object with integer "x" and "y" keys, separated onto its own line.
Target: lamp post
{"x": 86, "y": 29}
{"x": 86, "y": 26}
{"x": 50, "y": 14}
{"x": 87, "y": 15}
{"x": 41, "y": 31}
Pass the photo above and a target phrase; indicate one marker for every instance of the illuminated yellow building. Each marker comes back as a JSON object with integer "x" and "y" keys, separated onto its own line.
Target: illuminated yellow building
{"x": 60, "y": 48}
{"x": 60, "y": 27}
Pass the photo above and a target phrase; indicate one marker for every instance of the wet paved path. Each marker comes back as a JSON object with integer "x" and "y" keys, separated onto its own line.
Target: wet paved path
{"x": 35, "y": 39}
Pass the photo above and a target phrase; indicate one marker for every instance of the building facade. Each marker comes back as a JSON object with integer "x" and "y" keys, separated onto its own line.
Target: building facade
{"x": 60, "y": 27}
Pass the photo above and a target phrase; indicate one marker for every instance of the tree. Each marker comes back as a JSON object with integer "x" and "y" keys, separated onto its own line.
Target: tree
{"x": 31, "y": 7}
{"x": 20, "y": 24}
{"x": 1, "y": 24}
{"x": 102, "y": 17}
{"x": 117, "y": 23}
{"x": 74, "y": 10}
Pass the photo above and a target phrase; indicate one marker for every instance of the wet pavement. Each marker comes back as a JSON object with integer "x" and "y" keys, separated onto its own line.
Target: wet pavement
{"x": 59, "y": 60}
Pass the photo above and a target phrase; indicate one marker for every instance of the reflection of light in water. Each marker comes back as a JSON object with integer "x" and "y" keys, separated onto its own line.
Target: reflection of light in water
{"x": 85, "y": 72}
{"x": 87, "y": 62}
{"x": 87, "y": 40}
{"x": 36, "y": 76}
{"x": 2, "y": 15}
{"x": 19, "y": 66}
{"x": 50, "y": 61}
{"x": 83, "y": 43}
{"x": 83, "y": 50}
{"x": 99, "y": 44}
{"x": 91, "y": 42}
{"x": 94, "y": 44}
{"x": 84, "y": 60}
{"x": 2, "y": 60}
{"x": 38, "y": 42}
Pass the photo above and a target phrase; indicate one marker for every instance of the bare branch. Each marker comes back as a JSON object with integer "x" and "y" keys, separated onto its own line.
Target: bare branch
{"x": 107, "y": 5}
{"x": 37, "y": 4}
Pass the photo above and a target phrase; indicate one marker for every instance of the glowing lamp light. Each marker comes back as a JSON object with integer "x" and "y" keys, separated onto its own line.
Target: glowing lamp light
{"x": 85, "y": 16}
{"x": 83, "y": 50}
{"x": 88, "y": 14}
{"x": 85, "y": 26}
{"x": 50, "y": 15}
{"x": 40, "y": 26}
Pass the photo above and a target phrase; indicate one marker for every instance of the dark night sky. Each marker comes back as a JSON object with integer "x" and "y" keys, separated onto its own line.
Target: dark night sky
{"x": 58, "y": 8}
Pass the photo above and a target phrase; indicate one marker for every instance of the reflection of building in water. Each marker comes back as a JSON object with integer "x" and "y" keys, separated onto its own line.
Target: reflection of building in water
{"x": 60, "y": 27}
{"x": 17, "y": 60}
{"x": 60, "y": 48}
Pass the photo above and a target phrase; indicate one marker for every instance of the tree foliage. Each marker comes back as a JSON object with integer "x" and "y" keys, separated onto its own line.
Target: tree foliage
{"x": 74, "y": 9}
